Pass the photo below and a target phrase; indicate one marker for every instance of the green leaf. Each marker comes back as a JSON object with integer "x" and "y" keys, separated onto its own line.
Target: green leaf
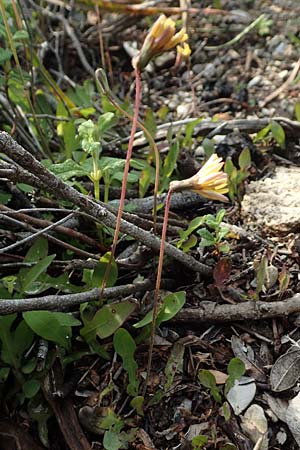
{"x": 110, "y": 420}
{"x": 7, "y": 349}
{"x": 99, "y": 349}
{"x": 211, "y": 221}
{"x": 297, "y": 111}
{"x": 236, "y": 368}
{"x": 4, "y": 372}
{"x": 262, "y": 133}
{"x": 20, "y": 35}
{"x": 208, "y": 146}
{"x": 220, "y": 216}
{"x": 226, "y": 411}
{"x": 5, "y": 55}
{"x": 100, "y": 269}
{"x": 162, "y": 112}
{"x": 150, "y": 122}
{"x": 222, "y": 233}
{"x": 14, "y": 343}
{"x": 111, "y": 440}
{"x": 205, "y": 234}
{"x": 146, "y": 178}
{"x": 189, "y": 130}
{"x": 207, "y": 238}
{"x": 170, "y": 162}
{"x": 82, "y": 95}
{"x": 208, "y": 380}
{"x": 145, "y": 321}
{"x": 245, "y": 159}
{"x": 38, "y": 250}
{"x": 194, "y": 224}
{"x": 199, "y": 441}
{"x": 284, "y": 280}
{"x": 69, "y": 135}
{"x": 278, "y": 133}
{"x": 224, "y": 248}
{"x": 22, "y": 339}
{"x": 137, "y": 403}
{"x": 53, "y": 326}
{"x": 28, "y": 276}
{"x": 229, "y": 167}
{"x": 25, "y": 188}
{"x": 68, "y": 169}
{"x": 125, "y": 347}
{"x": 105, "y": 123}
{"x": 107, "y": 163}
{"x": 31, "y": 388}
{"x": 30, "y": 366}
{"x": 5, "y": 197}
{"x": 189, "y": 243}
{"x": 171, "y": 304}
{"x": 107, "y": 320}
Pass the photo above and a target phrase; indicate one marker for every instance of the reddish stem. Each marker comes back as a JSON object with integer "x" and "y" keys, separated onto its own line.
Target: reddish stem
{"x": 157, "y": 285}
{"x": 125, "y": 176}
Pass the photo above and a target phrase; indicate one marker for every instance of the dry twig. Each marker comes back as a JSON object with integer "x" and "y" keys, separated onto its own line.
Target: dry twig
{"x": 98, "y": 210}
{"x": 252, "y": 310}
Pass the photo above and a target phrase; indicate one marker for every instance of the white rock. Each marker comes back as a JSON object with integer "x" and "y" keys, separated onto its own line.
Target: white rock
{"x": 273, "y": 203}
{"x": 255, "y": 425}
{"x": 293, "y": 417}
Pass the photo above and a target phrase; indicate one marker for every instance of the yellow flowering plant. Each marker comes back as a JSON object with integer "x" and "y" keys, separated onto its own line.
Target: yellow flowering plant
{"x": 161, "y": 38}
{"x": 183, "y": 53}
{"x": 209, "y": 182}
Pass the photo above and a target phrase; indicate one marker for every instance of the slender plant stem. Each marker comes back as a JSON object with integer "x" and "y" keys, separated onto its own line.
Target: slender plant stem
{"x": 102, "y": 84}
{"x": 45, "y": 148}
{"x": 106, "y": 192}
{"x": 97, "y": 190}
{"x": 157, "y": 285}
{"x": 125, "y": 176}
{"x": 96, "y": 175}
{"x": 101, "y": 43}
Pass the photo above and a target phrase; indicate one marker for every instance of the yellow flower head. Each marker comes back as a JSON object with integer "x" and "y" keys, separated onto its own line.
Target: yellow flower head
{"x": 184, "y": 51}
{"x": 161, "y": 38}
{"x": 209, "y": 181}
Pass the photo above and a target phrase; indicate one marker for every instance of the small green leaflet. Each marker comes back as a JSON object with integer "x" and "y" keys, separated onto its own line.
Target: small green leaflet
{"x": 53, "y": 326}
{"x": 125, "y": 347}
{"x": 172, "y": 303}
{"x": 107, "y": 320}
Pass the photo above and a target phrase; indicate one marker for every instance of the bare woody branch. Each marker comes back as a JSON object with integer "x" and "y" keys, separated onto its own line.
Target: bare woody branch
{"x": 61, "y": 190}
{"x": 252, "y": 310}
{"x": 59, "y": 302}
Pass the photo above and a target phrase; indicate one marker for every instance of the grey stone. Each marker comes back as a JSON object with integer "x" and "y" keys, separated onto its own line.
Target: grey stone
{"x": 273, "y": 203}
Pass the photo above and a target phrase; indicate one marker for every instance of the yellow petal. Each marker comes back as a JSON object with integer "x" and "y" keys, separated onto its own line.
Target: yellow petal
{"x": 212, "y": 195}
{"x": 184, "y": 51}
{"x": 169, "y": 23}
{"x": 179, "y": 37}
{"x": 158, "y": 26}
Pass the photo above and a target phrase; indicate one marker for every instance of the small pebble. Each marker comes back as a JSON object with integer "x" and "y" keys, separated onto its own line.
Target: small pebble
{"x": 209, "y": 70}
{"x": 255, "y": 81}
{"x": 279, "y": 52}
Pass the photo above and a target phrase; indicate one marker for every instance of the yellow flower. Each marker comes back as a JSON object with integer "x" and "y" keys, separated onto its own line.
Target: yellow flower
{"x": 161, "y": 38}
{"x": 184, "y": 51}
{"x": 209, "y": 181}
